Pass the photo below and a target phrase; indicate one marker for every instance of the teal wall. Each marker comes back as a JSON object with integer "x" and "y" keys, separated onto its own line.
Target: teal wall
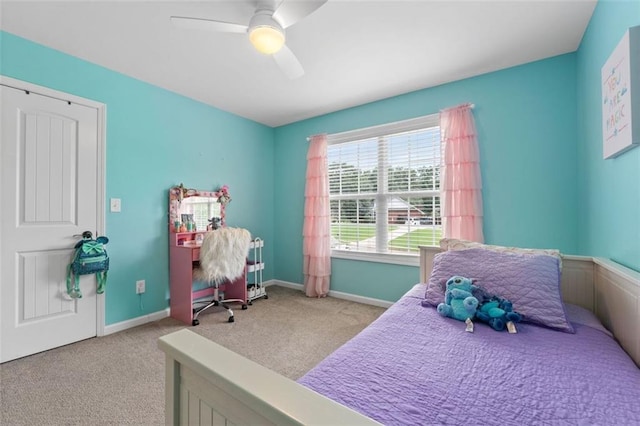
{"x": 539, "y": 130}
{"x": 609, "y": 189}
{"x": 156, "y": 139}
{"x": 526, "y": 119}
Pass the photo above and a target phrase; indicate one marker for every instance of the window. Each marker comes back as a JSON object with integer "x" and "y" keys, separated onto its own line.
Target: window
{"x": 384, "y": 188}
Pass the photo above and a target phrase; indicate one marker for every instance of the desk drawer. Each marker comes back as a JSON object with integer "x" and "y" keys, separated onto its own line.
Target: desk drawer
{"x": 195, "y": 254}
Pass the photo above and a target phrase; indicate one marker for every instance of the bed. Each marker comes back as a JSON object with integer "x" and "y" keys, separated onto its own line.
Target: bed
{"x": 412, "y": 366}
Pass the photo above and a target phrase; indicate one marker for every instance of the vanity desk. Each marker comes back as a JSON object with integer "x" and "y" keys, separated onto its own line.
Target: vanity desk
{"x": 184, "y": 252}
{"x": 199, "y": 209}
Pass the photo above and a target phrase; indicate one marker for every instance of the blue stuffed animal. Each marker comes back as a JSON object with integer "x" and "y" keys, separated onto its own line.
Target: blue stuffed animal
{"x": 497, "y": 312}
{"x": 459, "y": 302}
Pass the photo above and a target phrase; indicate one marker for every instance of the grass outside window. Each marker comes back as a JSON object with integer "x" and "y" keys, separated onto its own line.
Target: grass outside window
{"x": 420, "y": 237}
{"x": 354, "y": 232}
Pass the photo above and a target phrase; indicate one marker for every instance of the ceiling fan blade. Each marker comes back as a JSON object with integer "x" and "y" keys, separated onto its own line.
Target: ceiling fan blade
{"x": 292, "y": 11}
{"x": 288, "y": 63}
{"x": 207, "y": 25}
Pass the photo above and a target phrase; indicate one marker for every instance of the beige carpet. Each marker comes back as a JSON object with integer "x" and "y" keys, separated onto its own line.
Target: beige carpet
{"x": 119, "y": 379}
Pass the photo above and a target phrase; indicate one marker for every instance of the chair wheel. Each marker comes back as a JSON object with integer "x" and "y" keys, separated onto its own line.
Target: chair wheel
{"x": 231, "y": 319}
{"x": 195, "y": 322}
{"x": 250, "y": 303}
{"x": 244, "y": 307}
{"x": 266, "y": 297}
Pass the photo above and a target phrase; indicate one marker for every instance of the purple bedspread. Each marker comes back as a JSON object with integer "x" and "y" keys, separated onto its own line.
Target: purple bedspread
{"x": 413, "y": 367}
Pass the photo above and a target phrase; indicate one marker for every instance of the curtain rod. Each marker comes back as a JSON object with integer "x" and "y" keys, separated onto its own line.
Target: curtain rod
{"x": 468, "y": 105}
{"x": 472, "y": 106}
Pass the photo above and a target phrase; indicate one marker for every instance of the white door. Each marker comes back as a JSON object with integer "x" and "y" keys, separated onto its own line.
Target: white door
{"x": 48, "y": 195}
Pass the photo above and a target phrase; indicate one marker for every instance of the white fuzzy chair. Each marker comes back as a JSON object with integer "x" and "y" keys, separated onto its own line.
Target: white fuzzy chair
{"x": 223, "y": 257}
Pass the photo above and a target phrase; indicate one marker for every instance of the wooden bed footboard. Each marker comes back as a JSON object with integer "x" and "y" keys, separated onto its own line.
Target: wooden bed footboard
{"x": 209, "y": 384}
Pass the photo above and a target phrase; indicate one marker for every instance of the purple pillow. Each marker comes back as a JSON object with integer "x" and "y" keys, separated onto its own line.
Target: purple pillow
{"x": 530, "y": 282}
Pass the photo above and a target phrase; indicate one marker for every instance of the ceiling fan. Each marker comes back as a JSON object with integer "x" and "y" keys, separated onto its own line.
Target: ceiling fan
{"x": 266, "y": 29}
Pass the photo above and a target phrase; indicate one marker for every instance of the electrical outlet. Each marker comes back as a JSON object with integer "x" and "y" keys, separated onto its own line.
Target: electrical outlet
{"x": 140, "y": 287}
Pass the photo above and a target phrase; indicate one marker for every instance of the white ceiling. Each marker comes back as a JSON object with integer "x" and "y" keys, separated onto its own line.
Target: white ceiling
{"x": 353, "y": 51}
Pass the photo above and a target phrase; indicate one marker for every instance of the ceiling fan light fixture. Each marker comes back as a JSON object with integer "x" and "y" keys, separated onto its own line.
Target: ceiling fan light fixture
{"x": 266, "y": 39}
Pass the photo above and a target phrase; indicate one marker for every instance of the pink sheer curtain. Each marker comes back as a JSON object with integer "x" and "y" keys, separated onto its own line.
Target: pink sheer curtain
{"x": 461, "y": 184}
{"x": 317, "y": 227}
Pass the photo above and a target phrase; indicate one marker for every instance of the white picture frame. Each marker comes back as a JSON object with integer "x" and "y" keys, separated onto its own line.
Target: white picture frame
{"x": 621, "y": 96}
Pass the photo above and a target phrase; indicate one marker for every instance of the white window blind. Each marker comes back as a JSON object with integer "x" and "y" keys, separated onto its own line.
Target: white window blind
{"x": 384, "y": 186}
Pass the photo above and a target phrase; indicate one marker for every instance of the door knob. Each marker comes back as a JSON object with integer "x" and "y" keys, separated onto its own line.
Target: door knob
{"x": 85, "y": 234}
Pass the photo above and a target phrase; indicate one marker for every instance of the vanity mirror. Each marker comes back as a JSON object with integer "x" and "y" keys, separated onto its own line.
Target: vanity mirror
{"x": 194, "y": 210}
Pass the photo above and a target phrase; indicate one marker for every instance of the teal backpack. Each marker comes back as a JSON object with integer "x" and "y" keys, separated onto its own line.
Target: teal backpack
{"x": 89, "y": 257}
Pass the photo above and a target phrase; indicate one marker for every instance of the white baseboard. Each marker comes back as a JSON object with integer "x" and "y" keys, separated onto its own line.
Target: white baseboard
{"x": 284, "y": 284}
{"x": 336, "y": 294}
{"x": 124, "y": 325}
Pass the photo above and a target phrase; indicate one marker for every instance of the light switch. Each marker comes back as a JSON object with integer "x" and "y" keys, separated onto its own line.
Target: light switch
{"x": 115, "y": 205}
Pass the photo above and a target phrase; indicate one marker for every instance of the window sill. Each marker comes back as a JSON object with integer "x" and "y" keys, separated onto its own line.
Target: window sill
{"x": 396, "y": 259}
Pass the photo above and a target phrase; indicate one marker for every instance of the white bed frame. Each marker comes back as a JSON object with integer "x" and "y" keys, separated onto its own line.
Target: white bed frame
{"x": 207, "y": 384}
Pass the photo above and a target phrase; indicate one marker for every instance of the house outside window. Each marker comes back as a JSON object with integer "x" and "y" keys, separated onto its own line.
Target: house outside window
{"x": 384, "y": 190}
